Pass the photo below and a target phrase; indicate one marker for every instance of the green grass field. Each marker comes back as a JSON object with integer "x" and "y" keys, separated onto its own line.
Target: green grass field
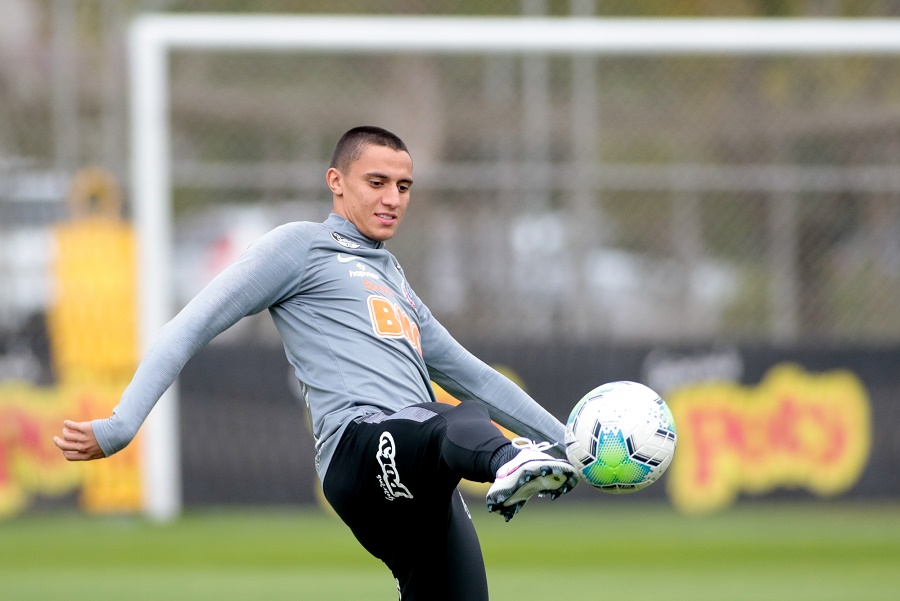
{"x": 578, "y": 551}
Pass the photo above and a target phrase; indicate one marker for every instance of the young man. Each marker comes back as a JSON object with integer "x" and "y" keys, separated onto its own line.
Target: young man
{"x": 366, "y": 349}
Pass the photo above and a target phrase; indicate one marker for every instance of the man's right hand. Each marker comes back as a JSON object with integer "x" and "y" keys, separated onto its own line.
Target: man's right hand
{"x": 78, "y": 442}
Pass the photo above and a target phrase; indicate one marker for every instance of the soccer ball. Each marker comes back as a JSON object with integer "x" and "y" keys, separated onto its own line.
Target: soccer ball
{"x": 621, "y": 437}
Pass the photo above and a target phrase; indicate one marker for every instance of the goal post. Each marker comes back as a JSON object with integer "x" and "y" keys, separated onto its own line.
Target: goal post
{"x": 153, "y": 37}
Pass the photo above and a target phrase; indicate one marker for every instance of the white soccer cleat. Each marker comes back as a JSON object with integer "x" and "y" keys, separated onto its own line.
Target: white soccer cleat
{"x": 530, "y": 472}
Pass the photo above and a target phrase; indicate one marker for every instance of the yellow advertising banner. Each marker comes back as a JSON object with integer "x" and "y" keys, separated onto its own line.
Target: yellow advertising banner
{"x": 92, "y": 331}
{"x": 31, "y": 465}
{"x": 794, "y": 430}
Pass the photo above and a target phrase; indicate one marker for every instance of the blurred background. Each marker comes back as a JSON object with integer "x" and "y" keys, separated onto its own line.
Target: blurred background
{"x": 725, "y": 229}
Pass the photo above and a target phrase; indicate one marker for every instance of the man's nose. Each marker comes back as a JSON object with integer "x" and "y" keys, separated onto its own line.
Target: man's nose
{"x": 391, "y": 196}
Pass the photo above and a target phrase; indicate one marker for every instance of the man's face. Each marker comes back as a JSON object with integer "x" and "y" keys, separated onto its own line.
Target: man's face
{"x": 374, "y": 191}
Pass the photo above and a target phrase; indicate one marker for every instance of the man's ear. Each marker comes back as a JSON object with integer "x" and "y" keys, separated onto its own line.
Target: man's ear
{"x": 334, "y": 179}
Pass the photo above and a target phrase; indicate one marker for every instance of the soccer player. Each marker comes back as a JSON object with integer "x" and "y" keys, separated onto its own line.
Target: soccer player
{"x": 366, "y": 349}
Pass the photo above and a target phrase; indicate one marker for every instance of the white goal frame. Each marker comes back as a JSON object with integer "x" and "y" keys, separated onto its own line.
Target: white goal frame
{"x": 152, "y": 38}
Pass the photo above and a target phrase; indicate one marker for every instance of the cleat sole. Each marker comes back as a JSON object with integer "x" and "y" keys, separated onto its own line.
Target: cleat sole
{"x": 538, "y": 474}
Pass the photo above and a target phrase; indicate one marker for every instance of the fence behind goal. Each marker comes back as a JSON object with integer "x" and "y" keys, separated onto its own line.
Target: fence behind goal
{"x": 685, "y": 197}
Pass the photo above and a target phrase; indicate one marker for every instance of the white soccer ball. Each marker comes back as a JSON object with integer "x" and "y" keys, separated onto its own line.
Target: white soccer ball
{"x": 621, "y": 437}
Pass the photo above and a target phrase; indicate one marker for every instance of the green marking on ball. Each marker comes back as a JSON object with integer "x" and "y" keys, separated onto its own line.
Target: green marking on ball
{"x": 613, "y": 465}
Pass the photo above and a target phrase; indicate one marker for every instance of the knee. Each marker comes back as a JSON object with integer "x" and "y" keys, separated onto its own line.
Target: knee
{"x": 472, "y": 410}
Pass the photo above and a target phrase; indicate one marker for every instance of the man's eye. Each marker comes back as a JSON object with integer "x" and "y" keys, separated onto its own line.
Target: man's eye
{"x": 403, "y": 188}
{"x": 376, "y": 182}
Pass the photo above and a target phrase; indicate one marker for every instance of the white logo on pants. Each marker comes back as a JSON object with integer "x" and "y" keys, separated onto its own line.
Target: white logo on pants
{"x": 390, "y": 477}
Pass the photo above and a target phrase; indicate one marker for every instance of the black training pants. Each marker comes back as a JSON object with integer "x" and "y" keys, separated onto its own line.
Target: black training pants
{"x": 393, "y": 481}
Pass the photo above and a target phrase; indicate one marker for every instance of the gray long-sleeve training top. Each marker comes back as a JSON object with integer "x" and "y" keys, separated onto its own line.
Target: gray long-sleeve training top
{"x": 359, "y": 339}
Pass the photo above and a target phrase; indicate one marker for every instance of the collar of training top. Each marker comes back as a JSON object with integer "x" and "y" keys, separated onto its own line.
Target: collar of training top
{"x": 346, "y": 234}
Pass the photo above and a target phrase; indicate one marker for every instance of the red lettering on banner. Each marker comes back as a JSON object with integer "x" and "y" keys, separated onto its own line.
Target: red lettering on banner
{"x": 32, "y": 465}
{"x": 795, "y": 429}
{"x": 29, "y": 461}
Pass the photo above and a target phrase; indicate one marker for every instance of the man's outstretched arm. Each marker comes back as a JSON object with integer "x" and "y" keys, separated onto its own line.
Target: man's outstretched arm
{"x": 265, "y": 274}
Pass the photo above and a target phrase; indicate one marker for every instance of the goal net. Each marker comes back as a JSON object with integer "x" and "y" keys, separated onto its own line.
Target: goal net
{"x": 576, "y": 179}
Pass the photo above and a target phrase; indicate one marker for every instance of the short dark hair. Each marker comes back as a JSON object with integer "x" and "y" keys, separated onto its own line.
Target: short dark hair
{"x": 350, "y": 146}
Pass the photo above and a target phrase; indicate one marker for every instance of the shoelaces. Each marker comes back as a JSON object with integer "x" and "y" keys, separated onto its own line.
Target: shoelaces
{"x": 523, "y": 443}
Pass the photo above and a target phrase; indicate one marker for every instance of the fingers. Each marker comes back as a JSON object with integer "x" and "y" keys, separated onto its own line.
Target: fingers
{"x": 73, "y": 435}
{"x": 77, "y": 441}
{"x": 80, "y": 427}
{"x": 72, "y": 451}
